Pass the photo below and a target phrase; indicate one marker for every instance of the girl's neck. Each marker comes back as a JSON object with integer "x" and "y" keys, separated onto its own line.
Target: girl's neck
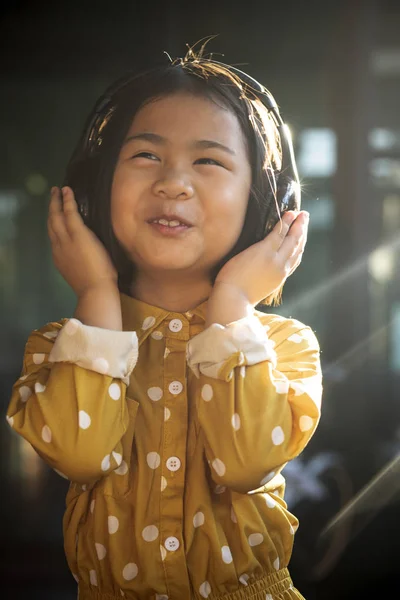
{"x": 175, "y": 294}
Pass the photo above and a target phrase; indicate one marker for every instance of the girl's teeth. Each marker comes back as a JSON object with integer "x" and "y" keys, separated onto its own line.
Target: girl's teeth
{"x": 168, "y": 223}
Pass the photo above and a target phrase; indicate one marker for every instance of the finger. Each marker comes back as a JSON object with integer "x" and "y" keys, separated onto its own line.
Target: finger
{"x": 52, "y": 235}
{"x": 281, "y": 229}
{"x": 73, "y": 219}
{"x": 296, "y": 236}
{"x": 56, "y": 216}
{"x": 55, "y": 204}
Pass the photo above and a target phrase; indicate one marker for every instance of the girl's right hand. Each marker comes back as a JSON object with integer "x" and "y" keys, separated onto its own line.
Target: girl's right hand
{"x": 78, "y": 254}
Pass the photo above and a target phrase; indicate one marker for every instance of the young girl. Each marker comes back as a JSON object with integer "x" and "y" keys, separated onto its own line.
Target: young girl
{"x": 169, "y": 402}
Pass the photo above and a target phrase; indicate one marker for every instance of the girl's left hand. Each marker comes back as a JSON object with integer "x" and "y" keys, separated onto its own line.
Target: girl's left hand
{"x": 263, "y": 267}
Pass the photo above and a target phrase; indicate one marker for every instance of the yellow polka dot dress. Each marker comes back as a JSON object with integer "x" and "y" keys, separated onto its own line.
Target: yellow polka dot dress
{"x": 173, "y": 437}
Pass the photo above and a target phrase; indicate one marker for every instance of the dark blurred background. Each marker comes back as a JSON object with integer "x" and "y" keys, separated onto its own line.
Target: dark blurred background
{"x": 334, "y": 67}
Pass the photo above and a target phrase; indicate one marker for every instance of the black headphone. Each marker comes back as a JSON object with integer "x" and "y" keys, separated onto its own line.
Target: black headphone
{"x": 285, "y": 184}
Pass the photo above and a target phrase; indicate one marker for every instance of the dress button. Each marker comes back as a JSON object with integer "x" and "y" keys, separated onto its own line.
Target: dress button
{"x": 172, "y": 544}
{"x": 175, "y": 387}
{"x": 173, "y": 463}
{"x": 175, "y": 325}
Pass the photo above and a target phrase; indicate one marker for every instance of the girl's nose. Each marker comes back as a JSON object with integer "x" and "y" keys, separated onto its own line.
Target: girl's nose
{"x": 172, "y": 185}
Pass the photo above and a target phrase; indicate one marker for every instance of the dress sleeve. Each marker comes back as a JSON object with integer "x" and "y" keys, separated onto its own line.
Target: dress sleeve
{"x": 260, "y": 396}
{"x": 70, "y": 402}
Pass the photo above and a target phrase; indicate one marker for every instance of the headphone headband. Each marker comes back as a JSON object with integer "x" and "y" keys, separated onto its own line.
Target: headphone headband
{"x": 286, "y": 195}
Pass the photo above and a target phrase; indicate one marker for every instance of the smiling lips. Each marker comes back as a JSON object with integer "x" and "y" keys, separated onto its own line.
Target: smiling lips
{"x": 170, "y": 220}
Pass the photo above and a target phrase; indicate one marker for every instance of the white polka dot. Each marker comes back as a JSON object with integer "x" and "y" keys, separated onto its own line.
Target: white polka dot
{"x": 161, "y": 597}
{"x": 75, "y": 576}
{"x": 38, "y": 358}
{"x": 311, "y": 386}
{"x": 242, "y": 371}
{"x": 166, "y": 352}
{"x": 23, "y": 377}
{"x": 305, "y": 423}
{"x": 281, "y": 386}
{"x": 100, "y": 365}
{"x": 255, "y": 539}
{"x": 46, "y": 434}
{"x": 268, "y": 597}
{"x": 93, "y": 577}
{"x": 84, "y": 487}
{"x": 163, "y": 552}
{"x": 236, "y": 422}
{"x": 150, "y": 533}
{"x": 296, "y": 338}
{"x": 226, "y": 555}
{"x": 71, "y": 327}
{"x": 157, "y": 335}
{"x": 39, "y": 388}
{"x": 101, "y": 551}
{"x": 153, "y": 460}
{"x": 198, "y": 519}
{"x": 114, "y": 391}
{"x": 244, "y": 579}
{"x": 93, "y": 502}
{"x": 205, "y": 589}
{"x": 207, "y": 392}
{"x": 233, "y": 515}
{"x": 84, "y": 420}
{"x": 10, "y": 420}
{"x": 50, "y": 335}
{"x": 113, "y": 524}
{"x": 148, "y": 322}
{"x": 122, "y": 470}
{"x": 155, "y": 393}
{"x": 270, "y": 502}
{"x": 219, "y": 467}
{"x": 167, "y": 414}
{"x": 105, "y": 463}
{"x": 219, "y": 489}
{"x": 276, "y": 564}
{"x": 117, "y": 457}
{"x": 278, "y": 437}
{"x": 122, "y": 593}
{"x": 267, "y": 478}
{"x": 130, "y": 571}
{"x": 163, "y": 483}
{"x": 24, "y": 393}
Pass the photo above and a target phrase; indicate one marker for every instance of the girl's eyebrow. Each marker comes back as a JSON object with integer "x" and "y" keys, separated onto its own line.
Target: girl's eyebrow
{"x": 158, "y": 139}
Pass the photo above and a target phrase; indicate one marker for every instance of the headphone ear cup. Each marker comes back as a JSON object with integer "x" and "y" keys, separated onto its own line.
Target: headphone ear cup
{"x": 79, "y": 177}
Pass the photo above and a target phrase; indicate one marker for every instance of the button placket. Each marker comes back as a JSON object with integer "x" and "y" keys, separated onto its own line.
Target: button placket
{"x": 173, "y": 465}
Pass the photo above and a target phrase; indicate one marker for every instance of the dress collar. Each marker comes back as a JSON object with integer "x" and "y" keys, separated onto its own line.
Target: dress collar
{"x": 144, "y": 318}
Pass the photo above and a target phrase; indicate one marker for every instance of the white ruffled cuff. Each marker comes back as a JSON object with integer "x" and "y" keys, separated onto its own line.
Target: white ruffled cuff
{"x": 108, "y": 352}
{"x": 208, "y": 351}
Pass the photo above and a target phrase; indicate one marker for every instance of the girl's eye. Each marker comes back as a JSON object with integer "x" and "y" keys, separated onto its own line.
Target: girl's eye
{"x": 145, "y": 155}
{"x": 210, "y": 161}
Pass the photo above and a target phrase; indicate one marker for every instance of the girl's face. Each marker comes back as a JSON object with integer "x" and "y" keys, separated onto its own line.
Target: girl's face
{"x": 183, "y": 157}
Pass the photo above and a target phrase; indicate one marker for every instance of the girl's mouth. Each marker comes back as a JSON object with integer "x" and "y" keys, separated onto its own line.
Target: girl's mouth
{"x": 173, "y": 229}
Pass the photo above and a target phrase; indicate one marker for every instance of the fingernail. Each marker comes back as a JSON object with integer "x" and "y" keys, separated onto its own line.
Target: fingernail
{"x": 289, "y": 217}
{"x": 64, "y": 190}
{"x": 53, "y": 190}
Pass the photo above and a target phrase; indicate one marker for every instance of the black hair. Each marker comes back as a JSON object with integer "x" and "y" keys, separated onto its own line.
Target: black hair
{"x": 91, "y": 176}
